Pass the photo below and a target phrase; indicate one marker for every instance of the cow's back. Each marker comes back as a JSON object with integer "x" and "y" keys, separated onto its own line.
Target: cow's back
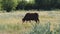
{"x": 31, "y": 16}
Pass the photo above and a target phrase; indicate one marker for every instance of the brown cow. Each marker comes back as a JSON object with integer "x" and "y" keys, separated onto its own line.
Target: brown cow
{"x": 31, "y": 16}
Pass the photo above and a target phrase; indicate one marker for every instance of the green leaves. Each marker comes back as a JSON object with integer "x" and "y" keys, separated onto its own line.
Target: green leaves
{"x": 9, "y": 5}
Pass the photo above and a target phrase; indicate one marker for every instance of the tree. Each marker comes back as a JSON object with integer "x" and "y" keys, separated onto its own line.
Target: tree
{"x": 29, "y": 5}
{"x": 58, "y": 4}
{"x": 9, "y": 5}
{"x": 38, "y": 4}
{"x": 21, "y": 4}
{"x": 46, "y": 4}
{"x": 0, "y": 4}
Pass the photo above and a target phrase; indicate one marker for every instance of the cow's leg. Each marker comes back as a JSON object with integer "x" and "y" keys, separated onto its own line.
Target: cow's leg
{"x": 23, "y": 21}
{"x": 36, "y": 21}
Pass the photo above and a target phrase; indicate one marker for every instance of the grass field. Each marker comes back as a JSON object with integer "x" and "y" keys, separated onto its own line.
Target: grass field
{"x": 11, "y": 23}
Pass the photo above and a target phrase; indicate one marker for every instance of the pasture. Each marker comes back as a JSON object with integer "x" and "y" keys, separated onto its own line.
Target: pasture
{"x": 11, "y": 23}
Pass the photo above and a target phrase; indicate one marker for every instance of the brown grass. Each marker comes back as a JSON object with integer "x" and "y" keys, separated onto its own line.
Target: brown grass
{"x": 16, "y": 18}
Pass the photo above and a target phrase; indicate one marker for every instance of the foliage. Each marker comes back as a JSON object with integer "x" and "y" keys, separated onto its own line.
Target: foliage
{"x": 9, "y": 5}
{"x": 0, "y": 4}
{"x": 41, "y": 29}
{"x": 56, "y": 29}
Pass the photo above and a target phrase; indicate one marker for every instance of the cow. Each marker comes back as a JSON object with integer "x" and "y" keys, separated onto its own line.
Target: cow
{"x": 31, "y": 16}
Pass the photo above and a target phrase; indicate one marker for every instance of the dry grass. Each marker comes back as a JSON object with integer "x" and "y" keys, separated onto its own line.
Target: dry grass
{"x": 11, "y": 23}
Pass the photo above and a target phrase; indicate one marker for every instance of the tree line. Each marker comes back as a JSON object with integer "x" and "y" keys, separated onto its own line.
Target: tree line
{"x": 9, "y": 5}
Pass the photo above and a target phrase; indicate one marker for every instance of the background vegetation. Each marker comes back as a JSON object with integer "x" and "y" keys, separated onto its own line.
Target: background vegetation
{"x": 9, "y": 5}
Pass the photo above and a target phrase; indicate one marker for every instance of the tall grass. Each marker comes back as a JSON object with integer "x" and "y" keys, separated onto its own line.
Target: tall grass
{"x": 34, "y": 29}
{"x": 11, "y": 23}
{"x": 12, "y": 27}
{"x": 41, "y": 29}
{"x": 56, "y": 29}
